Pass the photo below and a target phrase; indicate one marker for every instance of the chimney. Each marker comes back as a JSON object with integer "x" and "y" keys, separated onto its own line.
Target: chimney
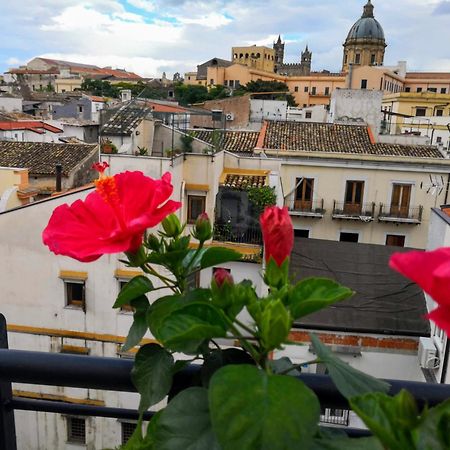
{"x": 58, "y": 168}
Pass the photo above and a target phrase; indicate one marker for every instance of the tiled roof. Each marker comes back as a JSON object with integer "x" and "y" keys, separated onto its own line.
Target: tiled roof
{"x": 233, "y": 141}
{"x": 33, "y": 125}
{"x": 336, "y": 138}
{"x": 125, "y": 120}
{"x": 239, "y": 181}
{"x": 40, "y": 158}
{"x": 428, "y": 75}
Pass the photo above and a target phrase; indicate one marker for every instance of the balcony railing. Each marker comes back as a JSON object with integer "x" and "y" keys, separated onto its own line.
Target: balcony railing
{"x": 335, "y": 416}
{"x": 400, "y": 214}
{"x": 354, "y": 211}
{"x": 237, "y": 233}
{"x": 113, "y": 374}
{"x": 306, "y": 208}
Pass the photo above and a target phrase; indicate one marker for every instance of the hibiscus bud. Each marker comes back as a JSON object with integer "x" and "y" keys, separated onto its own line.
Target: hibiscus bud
{"x": 202, "y": 228}
{"x": 172, "y": 226}
{"x": 222, "y": 276}
{"x": 278, "y": 234}
{"x": 153, "y": 243}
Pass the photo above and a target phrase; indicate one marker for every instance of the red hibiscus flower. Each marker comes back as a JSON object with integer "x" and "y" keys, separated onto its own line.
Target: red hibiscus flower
{"x": 112, "y": 219}
{"x": 278, "y": 233}
{"x": 222, "y": 276}
{"x": 431, "y": 271}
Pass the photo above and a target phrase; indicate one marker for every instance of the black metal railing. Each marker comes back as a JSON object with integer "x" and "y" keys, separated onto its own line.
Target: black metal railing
{"x": 353, "y": 210}
{"x": 398, "y": 213}
{"x": 237, "y": 233}
{"x": 306, "y": 207}
{"x": 113, "y": 374}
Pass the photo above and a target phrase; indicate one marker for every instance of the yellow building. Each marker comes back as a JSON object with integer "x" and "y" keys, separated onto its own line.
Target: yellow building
{"x": 14, "y": 188}
{"x": 67, "y": 84}
{"x": 419, "y": 113}
{"x": 255, "y": 57}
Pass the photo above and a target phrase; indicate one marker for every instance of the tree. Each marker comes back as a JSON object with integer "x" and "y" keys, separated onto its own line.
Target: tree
{"x": 268, "y": 86}
{"x": 189, "y": 94}
{"x": 100, "y": 88}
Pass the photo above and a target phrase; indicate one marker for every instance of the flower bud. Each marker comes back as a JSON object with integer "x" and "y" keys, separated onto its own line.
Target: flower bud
{"x": 222, "y": 276}
{"x": 172, "y": 226}
{"x": 278, "y": 234}
{"x": 202, "y": 228}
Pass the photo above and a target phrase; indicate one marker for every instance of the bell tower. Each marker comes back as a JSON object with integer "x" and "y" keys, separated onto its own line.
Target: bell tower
{"x": 306, "y": 61}
{"x": 279, "y": 53}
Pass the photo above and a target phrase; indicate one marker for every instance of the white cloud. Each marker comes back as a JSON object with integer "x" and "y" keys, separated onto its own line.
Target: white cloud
{"x": 13, "y": 61}
{"x": 212, "y": 20}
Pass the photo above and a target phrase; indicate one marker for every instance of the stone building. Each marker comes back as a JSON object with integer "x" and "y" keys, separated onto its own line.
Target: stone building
{"x": 365, "y": 43}
{"x": 293, "y": 69}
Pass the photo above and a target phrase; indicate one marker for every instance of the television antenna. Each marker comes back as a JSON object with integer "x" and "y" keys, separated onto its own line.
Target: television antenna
{"x": 435, "y": 186}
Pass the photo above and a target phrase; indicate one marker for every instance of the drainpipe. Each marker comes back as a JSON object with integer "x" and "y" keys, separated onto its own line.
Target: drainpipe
{"x": 446, "y": 189}
{"x": 58, "y": 170}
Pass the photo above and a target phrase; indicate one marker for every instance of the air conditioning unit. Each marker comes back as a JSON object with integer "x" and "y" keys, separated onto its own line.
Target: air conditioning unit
{"x": 427, "y": 354}
{"x": 229, "y": 116}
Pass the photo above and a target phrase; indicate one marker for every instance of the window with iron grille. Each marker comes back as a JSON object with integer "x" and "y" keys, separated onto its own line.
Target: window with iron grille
{"x": 127, "y": 430}
{"x": 196, "y": 206}
{"x": 76, "y": 430}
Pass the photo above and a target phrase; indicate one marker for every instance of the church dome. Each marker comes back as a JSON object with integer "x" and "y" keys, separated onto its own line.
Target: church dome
{"x": 367, "y": 27}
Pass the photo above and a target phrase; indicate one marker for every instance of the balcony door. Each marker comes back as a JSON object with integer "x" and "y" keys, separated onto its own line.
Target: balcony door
{"x": 304, "y": 194}
{"x": 401, "y": 196}
{"x": 354, "y": 191}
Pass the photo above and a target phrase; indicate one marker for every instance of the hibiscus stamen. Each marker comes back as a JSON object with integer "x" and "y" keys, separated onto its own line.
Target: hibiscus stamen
{"x": 107, "y": 189}
{"x": 100, "y": 167}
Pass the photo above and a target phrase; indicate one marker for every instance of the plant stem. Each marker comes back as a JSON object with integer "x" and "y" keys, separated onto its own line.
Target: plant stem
{"x": 299, "y": 366}
{"x": 243, "y": 326}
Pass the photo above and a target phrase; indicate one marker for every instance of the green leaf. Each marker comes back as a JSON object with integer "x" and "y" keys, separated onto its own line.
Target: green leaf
{"x": 171, "y": 260}
{"x": 185, "y": 423}
{"x": 220, "y": 358}
{"x": 433, "y": 432}
{"x": 152, "y": 374}
{"x": 391, "y": 419}
{"x": 139, "y": 326}
{"x": 343, "y": 443}
{"x": 252, "y": 410}
{"x": 161, "y": 309}
{"x": 313, "y": 294}
{"x": 187, "y": 327}
{"x": 218, "y": 255}
{"x": 349, "y": 381}
{"x": 135, "y": 288}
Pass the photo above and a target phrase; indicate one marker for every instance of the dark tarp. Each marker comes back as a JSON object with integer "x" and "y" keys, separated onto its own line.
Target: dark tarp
{"x": 385, "y": 302}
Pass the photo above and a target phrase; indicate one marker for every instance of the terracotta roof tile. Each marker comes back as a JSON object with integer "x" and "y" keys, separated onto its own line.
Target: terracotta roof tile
{"x": 124, "y": 120}
{"x": 336, "y": 138}
{"x": 239, "y": 181}
{"x": 233, "y": 141}
{"x": 40, "y": 158}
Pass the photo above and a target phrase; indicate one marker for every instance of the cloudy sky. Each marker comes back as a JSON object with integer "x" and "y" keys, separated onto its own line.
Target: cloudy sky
{"x": 152, "y": 36}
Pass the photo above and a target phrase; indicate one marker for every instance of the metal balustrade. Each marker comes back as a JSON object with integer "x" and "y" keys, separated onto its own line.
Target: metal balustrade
{"x": 113, "y": 374}
{"x": 237, "y": 233}
{"x": 399, "y": 214}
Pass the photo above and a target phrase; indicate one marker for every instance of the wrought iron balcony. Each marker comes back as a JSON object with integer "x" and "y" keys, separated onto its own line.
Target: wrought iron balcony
{"x": 237, "y": 233}
{"x": 306, "y": 208}
{"x": 400, "y": 214}
{"x": 354, "y": 211}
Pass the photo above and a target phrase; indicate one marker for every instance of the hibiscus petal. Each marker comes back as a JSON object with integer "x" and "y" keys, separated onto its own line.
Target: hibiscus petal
{"x": 441, "y": 317}
{"x": 428, "y": 270}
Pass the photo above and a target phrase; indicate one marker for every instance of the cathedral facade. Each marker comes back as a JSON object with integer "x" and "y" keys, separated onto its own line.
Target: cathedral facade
{"x": 294, "y": 69}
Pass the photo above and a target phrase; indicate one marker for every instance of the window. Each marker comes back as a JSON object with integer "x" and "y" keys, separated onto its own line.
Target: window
{"x": 76, "y": 430}
{"x": 363, "y": 84}
{"x": 237, "y": 83}
{"x": 193, "y": 281}
{"x": 80, "y": 108}
{"x": 432, "y": 89}
{"x": 327, "y": 91}
{"x": 301, "y": 233}
{"x": 439, "y": 112}
{"x": 443, "y": 90}
{"x": 373, "y": 58}
{"x": 345, "y": 58}
{"x": 353, "y": 196}
{"x": 395, "y": 240}
{"x": 231, "y": 83}
{"x": 438, "y": 140}
{"x": 296, "y": 89}
{"x": 419, "y": 89}
{"x": 196, "y": 206}
{"x": 407, "y": 89}
{"x": 401, "y": 195}
{"x": 313, "y": 90}
{"x": 308, "y": 115}
{"x": 306, "y": 89}
{"x": 75, "y": 294}
{"x": 421, "y": 112}
{"x": 127, "y": 430}
{"x": 348, "y": 237}
{"x": 357, "y": 58}
{"x": 304, "y": 194}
